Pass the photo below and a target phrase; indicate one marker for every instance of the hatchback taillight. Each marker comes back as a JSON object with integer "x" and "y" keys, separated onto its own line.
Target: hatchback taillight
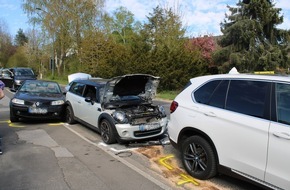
{"x": 173, "y": 106}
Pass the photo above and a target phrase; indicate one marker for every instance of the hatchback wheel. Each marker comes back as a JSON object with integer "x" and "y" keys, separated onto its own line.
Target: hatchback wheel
{"x": 70, "y": 118}
{"x": 199, "y": 158}
{"x": 107, "y": 132}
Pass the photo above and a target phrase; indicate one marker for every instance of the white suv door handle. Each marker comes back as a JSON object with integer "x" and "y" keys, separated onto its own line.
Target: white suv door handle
{"x": 282, "y": 135}
{"x": 210, "y": 114}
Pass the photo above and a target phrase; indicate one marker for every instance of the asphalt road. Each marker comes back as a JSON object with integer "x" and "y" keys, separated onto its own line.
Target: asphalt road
{"x": 53, "y": 155}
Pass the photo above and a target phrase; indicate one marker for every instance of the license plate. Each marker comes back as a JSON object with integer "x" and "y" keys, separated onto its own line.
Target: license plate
{"x": 37, "y": 110}
{"x": 147, "y": 127}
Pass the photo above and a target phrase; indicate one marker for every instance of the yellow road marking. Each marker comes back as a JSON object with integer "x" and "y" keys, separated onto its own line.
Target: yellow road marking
{"x": 15, "y": 125}
{"x": 5, "y": 121}
{"x": 187, "y": 179}
{"x": 55, "y": 124}
{"x": 162, "y": 161}
{"x": 184, "y": 178}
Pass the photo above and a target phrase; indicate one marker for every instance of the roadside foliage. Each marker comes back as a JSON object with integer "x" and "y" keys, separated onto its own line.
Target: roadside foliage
{"x": 79, "y": 36}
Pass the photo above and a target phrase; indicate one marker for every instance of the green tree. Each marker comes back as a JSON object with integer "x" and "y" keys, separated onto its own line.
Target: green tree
{"x": 20, "y": 39}
{"x": 35, "y": 52}
{"x": 123, "y": 21}
{"x": 251, "y": 41}
{"x": 121, "y": 25}
{"x": 164, "y": 29}
{"x": 167, "y": 55}
{"x": 64, "y": 23}
{"x": 19, "y": 58}
{"x": 6, "y": 47}
{"x": 103, "y": 57}
{"x": 106, "y": 50}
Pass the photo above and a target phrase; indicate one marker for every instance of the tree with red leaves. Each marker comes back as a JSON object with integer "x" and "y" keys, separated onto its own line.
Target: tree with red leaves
{"x": 206, "y": 45}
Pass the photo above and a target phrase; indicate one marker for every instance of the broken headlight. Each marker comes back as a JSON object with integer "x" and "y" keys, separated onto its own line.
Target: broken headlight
{"x": 120, "y": 117}
{"x": 162, "y": 111}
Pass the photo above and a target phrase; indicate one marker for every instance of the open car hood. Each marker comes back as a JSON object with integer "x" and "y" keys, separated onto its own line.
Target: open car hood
{"x": 142, "y": 85}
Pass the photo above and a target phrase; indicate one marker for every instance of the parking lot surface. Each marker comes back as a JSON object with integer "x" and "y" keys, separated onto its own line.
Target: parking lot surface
{"x": 55, "y": 155}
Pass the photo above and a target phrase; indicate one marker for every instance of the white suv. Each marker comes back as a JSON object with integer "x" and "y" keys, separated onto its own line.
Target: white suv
{"x": 236, "y": 122}
{"x": 121, "y": 108}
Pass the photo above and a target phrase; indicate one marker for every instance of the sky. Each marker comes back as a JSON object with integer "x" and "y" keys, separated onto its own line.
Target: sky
{"x": 199, "y": 17}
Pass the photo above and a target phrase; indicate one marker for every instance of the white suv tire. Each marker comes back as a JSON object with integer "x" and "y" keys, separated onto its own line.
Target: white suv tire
{"x": 199, "y": 158}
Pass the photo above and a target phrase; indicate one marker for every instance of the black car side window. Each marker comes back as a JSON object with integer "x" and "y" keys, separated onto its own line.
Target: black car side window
{"x": 283, "y": 103}
{"x": 204, "y": 93}
{"x": 90, "y": 92}
{"x": 77, "y": 88}
{"x": 218, "y": 97}
{"x": 248, "y": 97}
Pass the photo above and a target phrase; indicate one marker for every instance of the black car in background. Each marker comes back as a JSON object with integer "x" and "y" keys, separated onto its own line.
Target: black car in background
{"x": 14, "y": 77}
{"x": 37, "y": 99}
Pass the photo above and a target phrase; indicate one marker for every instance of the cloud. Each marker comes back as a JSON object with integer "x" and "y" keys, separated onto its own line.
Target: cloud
{"x": 204, "y": 17}
{"x": 284, "y": 4}
{"x": 205, "y": 23}
{"x": 7, "y": 5}
{"x": 198, "y": 16}
{"x": 140, "y": 9}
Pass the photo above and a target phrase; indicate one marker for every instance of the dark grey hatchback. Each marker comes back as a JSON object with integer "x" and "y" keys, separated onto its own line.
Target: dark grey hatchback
{"x": 14, "y": 77}
{"x": 37, "y": 99}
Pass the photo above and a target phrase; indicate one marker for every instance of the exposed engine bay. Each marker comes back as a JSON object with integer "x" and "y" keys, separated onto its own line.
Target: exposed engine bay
{"x": 140, "y": 114}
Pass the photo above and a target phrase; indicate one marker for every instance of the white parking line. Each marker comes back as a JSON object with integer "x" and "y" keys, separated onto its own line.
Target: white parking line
{"x": 104, "y": 147}
{"x": 116, "y": 150}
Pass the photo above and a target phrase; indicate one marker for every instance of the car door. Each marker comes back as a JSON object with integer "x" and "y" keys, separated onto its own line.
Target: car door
{"x": 74, "y": 95}
{"x": 249, "y": 105}
{"x": 235, "y": 120}
{"x": 91, "y": 109}
{"x": 278, "y": 166}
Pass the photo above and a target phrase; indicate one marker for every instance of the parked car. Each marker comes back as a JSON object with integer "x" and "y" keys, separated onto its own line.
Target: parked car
{"x": 37, "y": 99}
{"x": 13, "y": 77}
{"x": 120, "y": 108}
{"x": 6, "y": 77}
{"x": 236, "y": 122}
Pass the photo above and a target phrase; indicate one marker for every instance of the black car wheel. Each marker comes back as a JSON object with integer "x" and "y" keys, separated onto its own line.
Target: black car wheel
{"x": 70, "y": 118}
{"x": 13, "y": 117}
{"x": 107, "y": 132}
{"x": 199, "y": 158}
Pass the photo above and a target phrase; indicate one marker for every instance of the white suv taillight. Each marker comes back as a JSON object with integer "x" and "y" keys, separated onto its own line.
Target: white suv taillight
{"x": 173, "y": 106}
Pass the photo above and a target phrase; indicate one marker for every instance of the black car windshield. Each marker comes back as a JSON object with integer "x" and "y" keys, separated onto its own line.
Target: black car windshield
{"x": 40, "y": 87}
{"x": 24, "y": 72}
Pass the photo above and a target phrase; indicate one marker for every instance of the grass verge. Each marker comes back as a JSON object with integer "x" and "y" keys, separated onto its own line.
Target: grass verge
{"x": 167, "y": 95}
